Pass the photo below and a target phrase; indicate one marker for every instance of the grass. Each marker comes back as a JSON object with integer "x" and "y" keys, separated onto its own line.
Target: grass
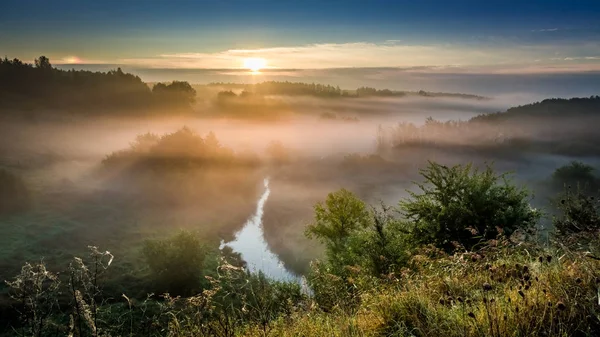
{"x": 506, "y": 292}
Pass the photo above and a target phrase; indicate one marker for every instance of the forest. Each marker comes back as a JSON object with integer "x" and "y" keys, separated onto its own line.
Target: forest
{"x": 39, "y": 87}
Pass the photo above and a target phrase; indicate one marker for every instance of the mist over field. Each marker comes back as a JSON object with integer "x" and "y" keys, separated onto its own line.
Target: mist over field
{"x": 268, "y": 168}
{"x": 322, "y": 144}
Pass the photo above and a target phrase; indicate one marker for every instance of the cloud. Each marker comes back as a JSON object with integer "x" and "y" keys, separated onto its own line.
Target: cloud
{"x": 546, "y": 30}
{"x": 390, "y": 54}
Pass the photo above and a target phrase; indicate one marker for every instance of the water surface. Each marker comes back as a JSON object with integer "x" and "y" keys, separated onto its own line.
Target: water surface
{"x": 251, "y": 244}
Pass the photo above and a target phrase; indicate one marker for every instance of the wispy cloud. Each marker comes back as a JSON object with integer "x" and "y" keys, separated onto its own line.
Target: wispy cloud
{"x": 390, "y": 53}
{"x": 357, "y": 54}
{"x": 546, "y": 30}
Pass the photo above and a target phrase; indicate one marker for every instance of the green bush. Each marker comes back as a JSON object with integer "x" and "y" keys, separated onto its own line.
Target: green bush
{"x": 336, "y": 224}
{"x": 576, "y": 173}
{"x": 463, "y": 206}
{"x": 176, "y": 263}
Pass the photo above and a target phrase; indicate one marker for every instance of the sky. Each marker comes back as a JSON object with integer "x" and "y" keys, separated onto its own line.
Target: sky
{"x": 442, "y": 36}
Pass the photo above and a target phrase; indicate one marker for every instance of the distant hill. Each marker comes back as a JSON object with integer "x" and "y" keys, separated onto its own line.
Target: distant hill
{"x": 552, "y": 126}
{"x": 549, "y": 108}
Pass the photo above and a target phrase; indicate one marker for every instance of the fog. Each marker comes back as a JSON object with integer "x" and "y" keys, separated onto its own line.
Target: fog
{"x": 75, "y": 195}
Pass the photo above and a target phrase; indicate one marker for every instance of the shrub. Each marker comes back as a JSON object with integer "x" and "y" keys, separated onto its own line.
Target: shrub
{"x": 35, "y": 291}
{"x": 462, "y": 205}
{"x": 579, "y": 215}
{"x": 576, "y": 173}
{"x": 176, "y": 263}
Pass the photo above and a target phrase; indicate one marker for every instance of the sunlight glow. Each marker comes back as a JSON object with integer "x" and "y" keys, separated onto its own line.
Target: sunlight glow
{"x": 72, "y": 60}
{"x": 255, "y": 64}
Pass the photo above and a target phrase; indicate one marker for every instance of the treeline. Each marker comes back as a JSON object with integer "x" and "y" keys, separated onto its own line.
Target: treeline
{"x": 40, "y": 86}
{"x": 559, "y": 126}
{"x": 548, "y": 108}
{"x": 287, "y": 88}
{"x": 324, "y": 90}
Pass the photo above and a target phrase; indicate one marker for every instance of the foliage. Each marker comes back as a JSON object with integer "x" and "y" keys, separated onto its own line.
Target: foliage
{"x": 574, "y": 174}
{"x": 579, "y": 213}
{"x": 463, "y": 205}
{"x": 14, "y": 195}
{"x": 360, "y": 243}
{"x": 377, "y": 279}
{"x": 336, "y": 221}
{"x": 504, "y": 290}
{"x": 327, "y": 91}
{"x": 25, "y": 86}
{"x": 41, "y": 301}
{"x": 176, "y": 263}
{"x": 34, "y": 291}
{"x": 176, "y": 92}
{"x": 182, "y": 149}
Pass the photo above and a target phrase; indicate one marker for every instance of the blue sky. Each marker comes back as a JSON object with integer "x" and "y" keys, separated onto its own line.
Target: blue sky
{"x": 476, "y": 36}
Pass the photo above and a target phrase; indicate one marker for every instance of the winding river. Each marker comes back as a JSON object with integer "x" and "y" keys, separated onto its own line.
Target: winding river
{"x": 251, "y": 244}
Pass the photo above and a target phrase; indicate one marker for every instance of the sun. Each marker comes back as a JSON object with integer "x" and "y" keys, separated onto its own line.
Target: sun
{"x": 72, "y": 60}
{"x": 255, "y": 64}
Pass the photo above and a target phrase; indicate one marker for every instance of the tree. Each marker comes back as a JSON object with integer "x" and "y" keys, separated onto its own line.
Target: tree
{"x": 336, "y": 221}
{"x": 178, "y": 93}
{"x": 463, "y": 205}
{"x": 576, "y": 173}
{"x": 43, "y": 62}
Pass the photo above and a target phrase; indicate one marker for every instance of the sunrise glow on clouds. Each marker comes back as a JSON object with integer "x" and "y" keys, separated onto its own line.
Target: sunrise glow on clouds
{"x": 538, "y": 58}
{"x": 495, "y": 36}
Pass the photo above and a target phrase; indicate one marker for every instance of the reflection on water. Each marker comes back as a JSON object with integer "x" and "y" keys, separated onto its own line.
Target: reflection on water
{"x": 250, "y": 242}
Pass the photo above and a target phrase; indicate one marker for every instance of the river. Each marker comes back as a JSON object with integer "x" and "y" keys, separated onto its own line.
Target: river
{"x": 251, "y": 244}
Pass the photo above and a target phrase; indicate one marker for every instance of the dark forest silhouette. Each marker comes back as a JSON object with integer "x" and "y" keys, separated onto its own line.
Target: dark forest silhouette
{"x": 324, "y": 90}
{"x": 40, "y": 86}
